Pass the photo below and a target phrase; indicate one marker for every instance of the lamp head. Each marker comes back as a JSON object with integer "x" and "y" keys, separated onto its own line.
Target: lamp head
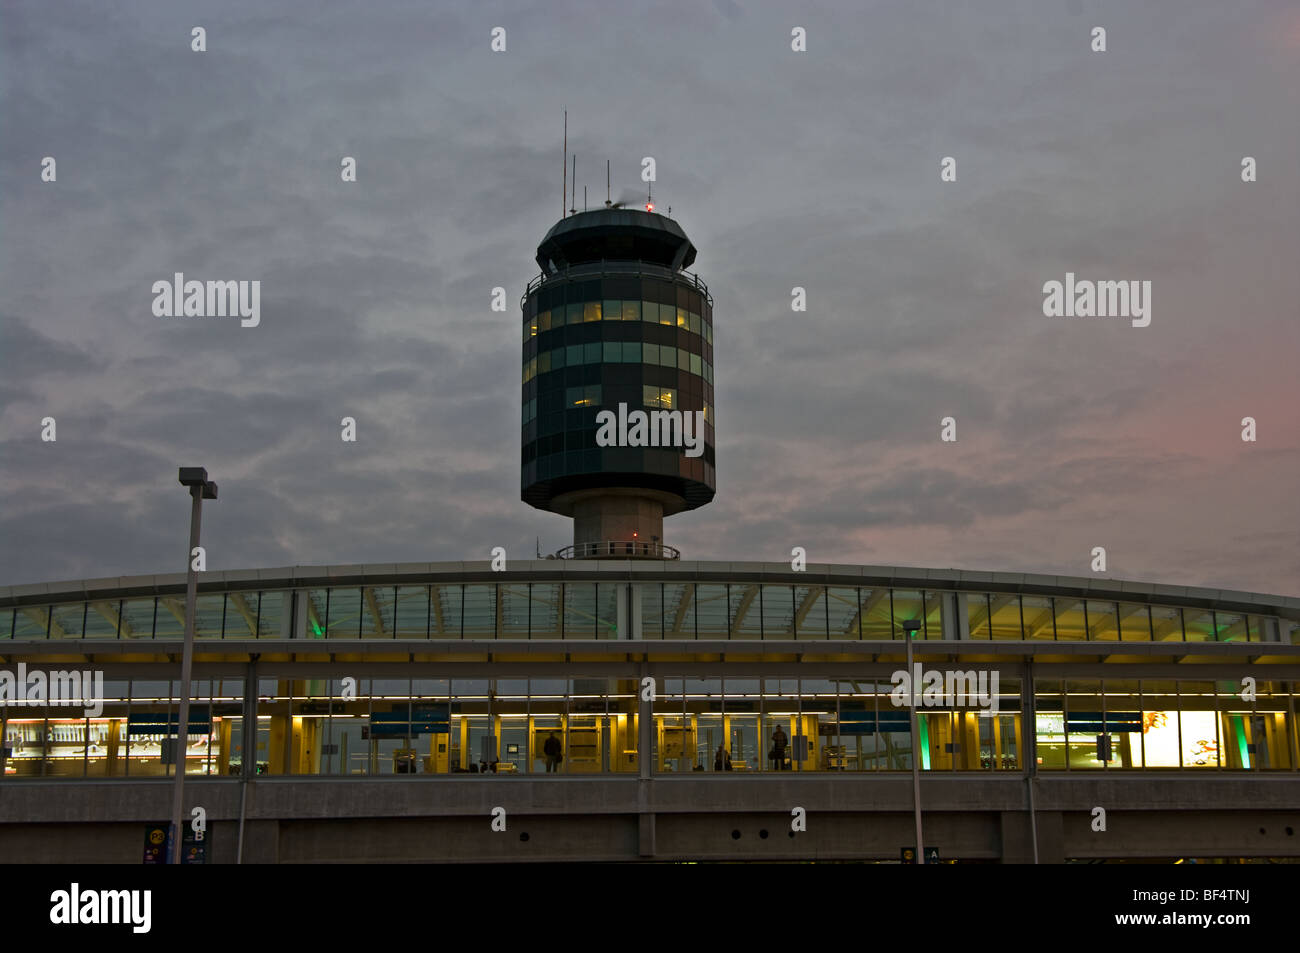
{"x": 198, "y": 476}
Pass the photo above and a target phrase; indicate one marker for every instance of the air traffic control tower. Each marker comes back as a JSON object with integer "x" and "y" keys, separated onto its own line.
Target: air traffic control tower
{"x": 614, "y": 319}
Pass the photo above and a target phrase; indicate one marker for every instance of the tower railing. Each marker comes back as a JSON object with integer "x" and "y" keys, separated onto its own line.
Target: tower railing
{"x": 619, "y": 549}
{"x": 618, "y": 267}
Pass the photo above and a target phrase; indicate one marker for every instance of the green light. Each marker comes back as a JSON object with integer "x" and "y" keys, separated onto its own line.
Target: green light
{"x": 316, "y": 628}
{"x": 1242, "y": 749}
{"x": 923, "y": 734}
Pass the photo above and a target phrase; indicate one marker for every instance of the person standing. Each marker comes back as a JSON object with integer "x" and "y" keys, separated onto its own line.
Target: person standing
{"x": 722, "y": 759}
{"x": 554, "y": 752}
{"x": 779, "y": 741}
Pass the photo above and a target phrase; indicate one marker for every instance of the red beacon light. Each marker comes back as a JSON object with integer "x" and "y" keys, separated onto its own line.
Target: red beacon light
{"x": 649, "y": 206}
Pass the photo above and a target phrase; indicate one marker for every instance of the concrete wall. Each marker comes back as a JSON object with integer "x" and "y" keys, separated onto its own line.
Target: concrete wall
{"x": 324, "y": 820}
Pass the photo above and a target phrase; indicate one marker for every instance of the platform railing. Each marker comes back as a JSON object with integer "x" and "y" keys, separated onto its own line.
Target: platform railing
{"x": 619, "y": 549}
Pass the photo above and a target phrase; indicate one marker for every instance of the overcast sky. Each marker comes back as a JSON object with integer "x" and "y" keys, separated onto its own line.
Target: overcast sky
{"x": 818, "y": 169}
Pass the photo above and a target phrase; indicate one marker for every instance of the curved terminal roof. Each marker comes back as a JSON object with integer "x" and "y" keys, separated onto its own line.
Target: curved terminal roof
{"x": 615, "y": 234}
{"x": 935, "y": 580}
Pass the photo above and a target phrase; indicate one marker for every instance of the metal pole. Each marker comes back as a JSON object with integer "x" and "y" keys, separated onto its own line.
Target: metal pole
{"x": 187, "y": 661}
{"x": 916, "y": 755}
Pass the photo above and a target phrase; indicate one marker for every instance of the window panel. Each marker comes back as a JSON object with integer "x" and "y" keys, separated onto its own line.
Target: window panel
{"x": 1084, "y": 723}
{"x": 208, "y": 614}
{"x": 314, "y": 605}
{"x": 875, "y": 622}
{"x": 1231, "y": 627}
{"x": 711, "y": 611}
{"x": 580, "y": 610}
{"x": 1201, "y": 743}
{"x": 679, "y": 610}
{"x": 68, "y": 621}
{"x": 979, "y": 618}
{"x": 377, "y": 612}
{"x": 480, "y": 611}
{"x": 137, "y": 619}
{"x": 778, "y": 612}
{"x": 344, "y": 614}
{"x": 746, "y": 618}
{"x": 272, "y": 608}
{"x": 102, "y": 619}
{"x": 544, "y": 610}
{"x": 1006, "y": 618}
{"x": 652, "y": 614}
{"x": 445, "y": 611}
{"x": 1102, "y": 626}
{"x": 1049, "y": 726}
{"x": 1134, "y": 622}
{"x": 1038, "y": 618}
{"x": 411, "y": 613}
{"x": 514, "y": 611}
{"x": 907, "y": 606}
{"x": 1199, "y": 625}
{"x": 810, "y": 612}
{"x": 1166, "y": 624}
{"x": 242, "y": 610}
{"x": 1070, "y": 625}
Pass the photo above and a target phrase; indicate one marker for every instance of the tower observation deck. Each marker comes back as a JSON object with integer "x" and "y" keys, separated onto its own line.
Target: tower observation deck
{"x": 613, "y": 323}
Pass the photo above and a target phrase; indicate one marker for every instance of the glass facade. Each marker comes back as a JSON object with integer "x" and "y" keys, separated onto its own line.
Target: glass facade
{"x": 595, "y": 341}
{"x": 560, "y": 713}
{"x": 1100, "y": 724}
{"x": 133, "y": 723}
{"x": 667, "y": 610}
{"x": 588, "y": 724}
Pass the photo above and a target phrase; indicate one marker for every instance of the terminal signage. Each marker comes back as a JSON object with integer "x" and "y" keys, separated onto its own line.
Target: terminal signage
{"x": 419, "y": 720}
{"x": 907, "y": 855}
{"x": 162, "y": 723}
{"x": 158, "y": 845}
{"x": 865, "y": 721}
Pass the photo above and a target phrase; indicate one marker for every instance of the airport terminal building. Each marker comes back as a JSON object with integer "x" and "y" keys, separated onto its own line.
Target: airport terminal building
{"x": 621, "y": 703}
{"x": 457, "y": 666}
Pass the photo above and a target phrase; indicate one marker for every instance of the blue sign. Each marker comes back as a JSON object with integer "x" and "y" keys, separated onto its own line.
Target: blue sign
{"x": 419, "y": 720}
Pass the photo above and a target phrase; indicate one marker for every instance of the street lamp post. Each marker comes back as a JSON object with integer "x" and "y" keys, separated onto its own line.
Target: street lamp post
{"x": 910, "y": 627}
{"x": 196, "y": 478}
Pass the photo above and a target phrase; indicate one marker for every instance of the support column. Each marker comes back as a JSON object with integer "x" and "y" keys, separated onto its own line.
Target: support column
{"x": 1029, "y": 733}
{"x": 248, "y": 753}
{"x": 645, "y": 808}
